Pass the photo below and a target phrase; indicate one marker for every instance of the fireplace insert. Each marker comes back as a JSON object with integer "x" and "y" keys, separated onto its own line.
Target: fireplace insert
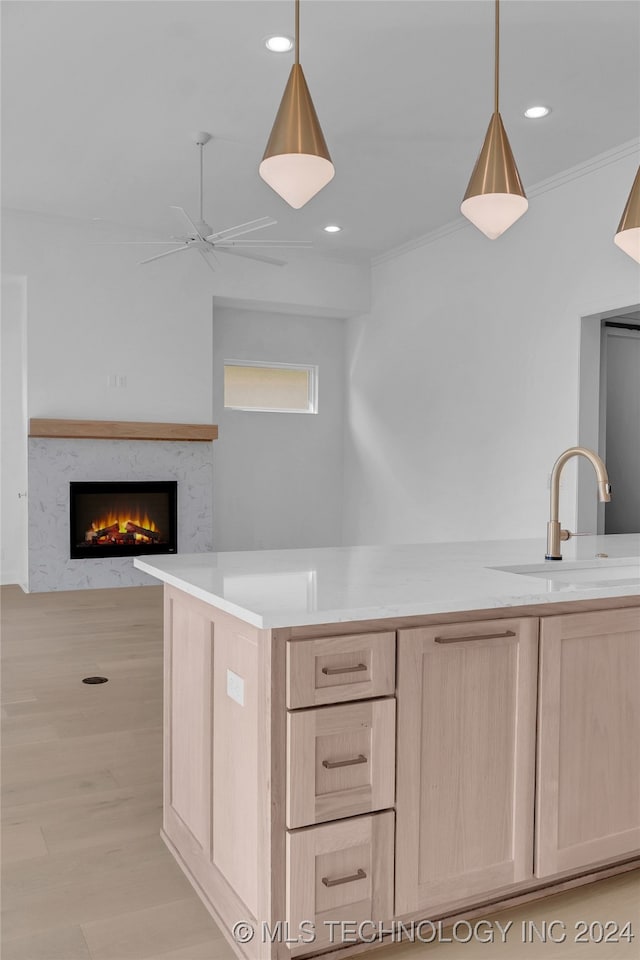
{"x": 123, "y": 519}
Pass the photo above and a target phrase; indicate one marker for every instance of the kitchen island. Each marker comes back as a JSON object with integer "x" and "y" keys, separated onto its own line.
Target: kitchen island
{"x": 360, "y": 737}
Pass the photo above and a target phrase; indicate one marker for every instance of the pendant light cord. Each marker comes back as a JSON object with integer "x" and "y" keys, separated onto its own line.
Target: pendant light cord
{"x": 496, "y": 82}
{"x": 297, "y": 32}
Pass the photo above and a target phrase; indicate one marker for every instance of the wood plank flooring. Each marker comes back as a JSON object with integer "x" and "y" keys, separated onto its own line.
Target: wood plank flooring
{"x": 85, "y": 874}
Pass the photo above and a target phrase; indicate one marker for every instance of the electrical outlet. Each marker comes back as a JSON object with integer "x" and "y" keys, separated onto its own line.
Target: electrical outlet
{"x": 235, "y": 687}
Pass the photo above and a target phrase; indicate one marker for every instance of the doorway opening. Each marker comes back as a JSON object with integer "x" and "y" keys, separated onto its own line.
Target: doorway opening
{"x": 609, "y": 418}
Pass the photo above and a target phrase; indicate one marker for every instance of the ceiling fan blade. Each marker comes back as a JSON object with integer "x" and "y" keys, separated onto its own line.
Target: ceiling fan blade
{"x": 237, "y": 231}
{"x": 165, "y": 243}
{"x": 207, "y": 260}
{"x": 253, "y": 256}
{"x": 262, "y": 243}
{"x": 167, "y": 253}
{"x": 187, "y": 219}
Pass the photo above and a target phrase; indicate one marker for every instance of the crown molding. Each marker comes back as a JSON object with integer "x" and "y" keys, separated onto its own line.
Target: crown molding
{"x": 586, "y": 167}
{"x": 601, "y": 160}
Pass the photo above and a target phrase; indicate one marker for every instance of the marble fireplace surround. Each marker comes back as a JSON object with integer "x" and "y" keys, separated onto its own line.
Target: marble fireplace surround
{"x": 61, "y": 451}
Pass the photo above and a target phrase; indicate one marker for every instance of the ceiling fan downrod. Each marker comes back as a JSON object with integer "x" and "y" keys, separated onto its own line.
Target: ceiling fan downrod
{"x": 202, "y": 138}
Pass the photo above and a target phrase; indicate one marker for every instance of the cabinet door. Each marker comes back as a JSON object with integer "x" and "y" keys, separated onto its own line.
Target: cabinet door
{"x": 466, "y": 702}
{"x": 588, "y": 802}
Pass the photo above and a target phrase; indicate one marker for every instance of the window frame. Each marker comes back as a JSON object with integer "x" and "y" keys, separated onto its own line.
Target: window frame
{"x": 312, "y": 385}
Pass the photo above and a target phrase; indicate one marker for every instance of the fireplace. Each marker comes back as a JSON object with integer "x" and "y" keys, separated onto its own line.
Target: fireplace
{"x": 122, "y": 519}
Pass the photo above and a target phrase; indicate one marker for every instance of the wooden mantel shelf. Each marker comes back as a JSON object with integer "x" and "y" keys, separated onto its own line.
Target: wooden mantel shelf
{"x": 121, "y": 430}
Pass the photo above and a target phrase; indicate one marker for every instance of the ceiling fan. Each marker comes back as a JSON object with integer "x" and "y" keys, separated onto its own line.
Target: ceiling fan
{"x": 201, "y": 237}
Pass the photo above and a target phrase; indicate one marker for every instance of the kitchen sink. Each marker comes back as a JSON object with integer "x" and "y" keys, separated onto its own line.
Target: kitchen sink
{"x": 565, "y": 574}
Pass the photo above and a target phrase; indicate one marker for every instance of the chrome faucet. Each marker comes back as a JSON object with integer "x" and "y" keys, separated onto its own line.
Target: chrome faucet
{"x": 555, "y": 533}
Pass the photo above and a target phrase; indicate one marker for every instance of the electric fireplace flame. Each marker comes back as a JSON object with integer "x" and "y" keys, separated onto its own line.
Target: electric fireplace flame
{"x": 123, "y": 527}
{"x": 122, "y": 519}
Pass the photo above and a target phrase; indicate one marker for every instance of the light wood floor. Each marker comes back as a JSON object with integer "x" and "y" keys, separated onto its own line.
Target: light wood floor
{"x": 85, "y": 875}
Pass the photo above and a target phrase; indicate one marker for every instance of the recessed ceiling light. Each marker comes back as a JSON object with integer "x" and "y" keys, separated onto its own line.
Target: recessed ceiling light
{"x": 536, "y": 113}
{"x": 279, "y": 44}
{"x": 332, "y": 228}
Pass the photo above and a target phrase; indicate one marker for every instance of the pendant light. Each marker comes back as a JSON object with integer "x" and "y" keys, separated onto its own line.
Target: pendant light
{"x": 628, "y": 235}
{"x": 495, "y": 197}
{"x": 296, "y": 163}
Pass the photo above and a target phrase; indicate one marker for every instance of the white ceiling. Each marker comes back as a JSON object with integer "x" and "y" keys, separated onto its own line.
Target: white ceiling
{"x": 100, "y": 99}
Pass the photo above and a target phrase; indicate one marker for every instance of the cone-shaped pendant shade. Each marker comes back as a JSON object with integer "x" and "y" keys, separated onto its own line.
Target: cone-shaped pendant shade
{"x": 628, "y": 235}
{"x": 495, "y": 197}
{"x": 296, "y": 163}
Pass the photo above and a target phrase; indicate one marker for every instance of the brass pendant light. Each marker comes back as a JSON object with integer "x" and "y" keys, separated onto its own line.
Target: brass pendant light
{"x": 495, "y": 197}
{"x": 296, "y": 163}
{"x": 628, "y": 234}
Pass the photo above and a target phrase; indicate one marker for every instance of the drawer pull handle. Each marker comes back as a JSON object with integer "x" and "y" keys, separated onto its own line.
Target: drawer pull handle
{"x": 332, "y": 764}
{"x": 360, "y": 875}
{"x": 483, "y": 636}
{"x": 333, "y": 671}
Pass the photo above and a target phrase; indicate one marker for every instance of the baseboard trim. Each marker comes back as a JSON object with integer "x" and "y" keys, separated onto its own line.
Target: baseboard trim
{"x": 217, "y": 917}
{"x": 534, "y": 892}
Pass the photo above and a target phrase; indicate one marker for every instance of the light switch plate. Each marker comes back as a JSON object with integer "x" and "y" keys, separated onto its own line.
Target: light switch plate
{"x": 235, "y": 687}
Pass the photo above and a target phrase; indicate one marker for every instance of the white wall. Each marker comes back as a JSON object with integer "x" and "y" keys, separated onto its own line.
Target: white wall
{"x": 278, "y": 478}
{"x": 464, "y": 376}
{"x": 462, "y": 379}
{"x": 93, "y": 311}
{"x": 13, "y": 441}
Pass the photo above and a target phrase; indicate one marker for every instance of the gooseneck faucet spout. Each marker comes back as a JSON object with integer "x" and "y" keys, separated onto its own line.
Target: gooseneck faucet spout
{"x": 555, "y": 533}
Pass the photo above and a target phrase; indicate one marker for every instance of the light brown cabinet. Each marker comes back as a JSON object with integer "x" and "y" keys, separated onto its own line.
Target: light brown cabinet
{"x": 340, "y": 761}
{"x": 213, "y": 767}
{"x": 588, "y": 800}
{"x": 340, "y": 871}
{"x": 466, "y": 760}
{"x": 335, "y": 669}
{"x": 396, "y": 773}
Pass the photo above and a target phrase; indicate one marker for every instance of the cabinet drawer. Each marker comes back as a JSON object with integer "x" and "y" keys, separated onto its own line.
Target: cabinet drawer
{"x": 339, "y": 872}
{"x": 341, "y": 761}
{"x": 334, "y": 669}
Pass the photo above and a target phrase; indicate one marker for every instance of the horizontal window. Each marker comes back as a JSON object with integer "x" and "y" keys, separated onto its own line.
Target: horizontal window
{"x": 270, "y": 387}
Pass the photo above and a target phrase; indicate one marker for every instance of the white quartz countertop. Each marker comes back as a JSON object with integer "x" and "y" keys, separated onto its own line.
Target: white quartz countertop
{"x": 285, "y": 588}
